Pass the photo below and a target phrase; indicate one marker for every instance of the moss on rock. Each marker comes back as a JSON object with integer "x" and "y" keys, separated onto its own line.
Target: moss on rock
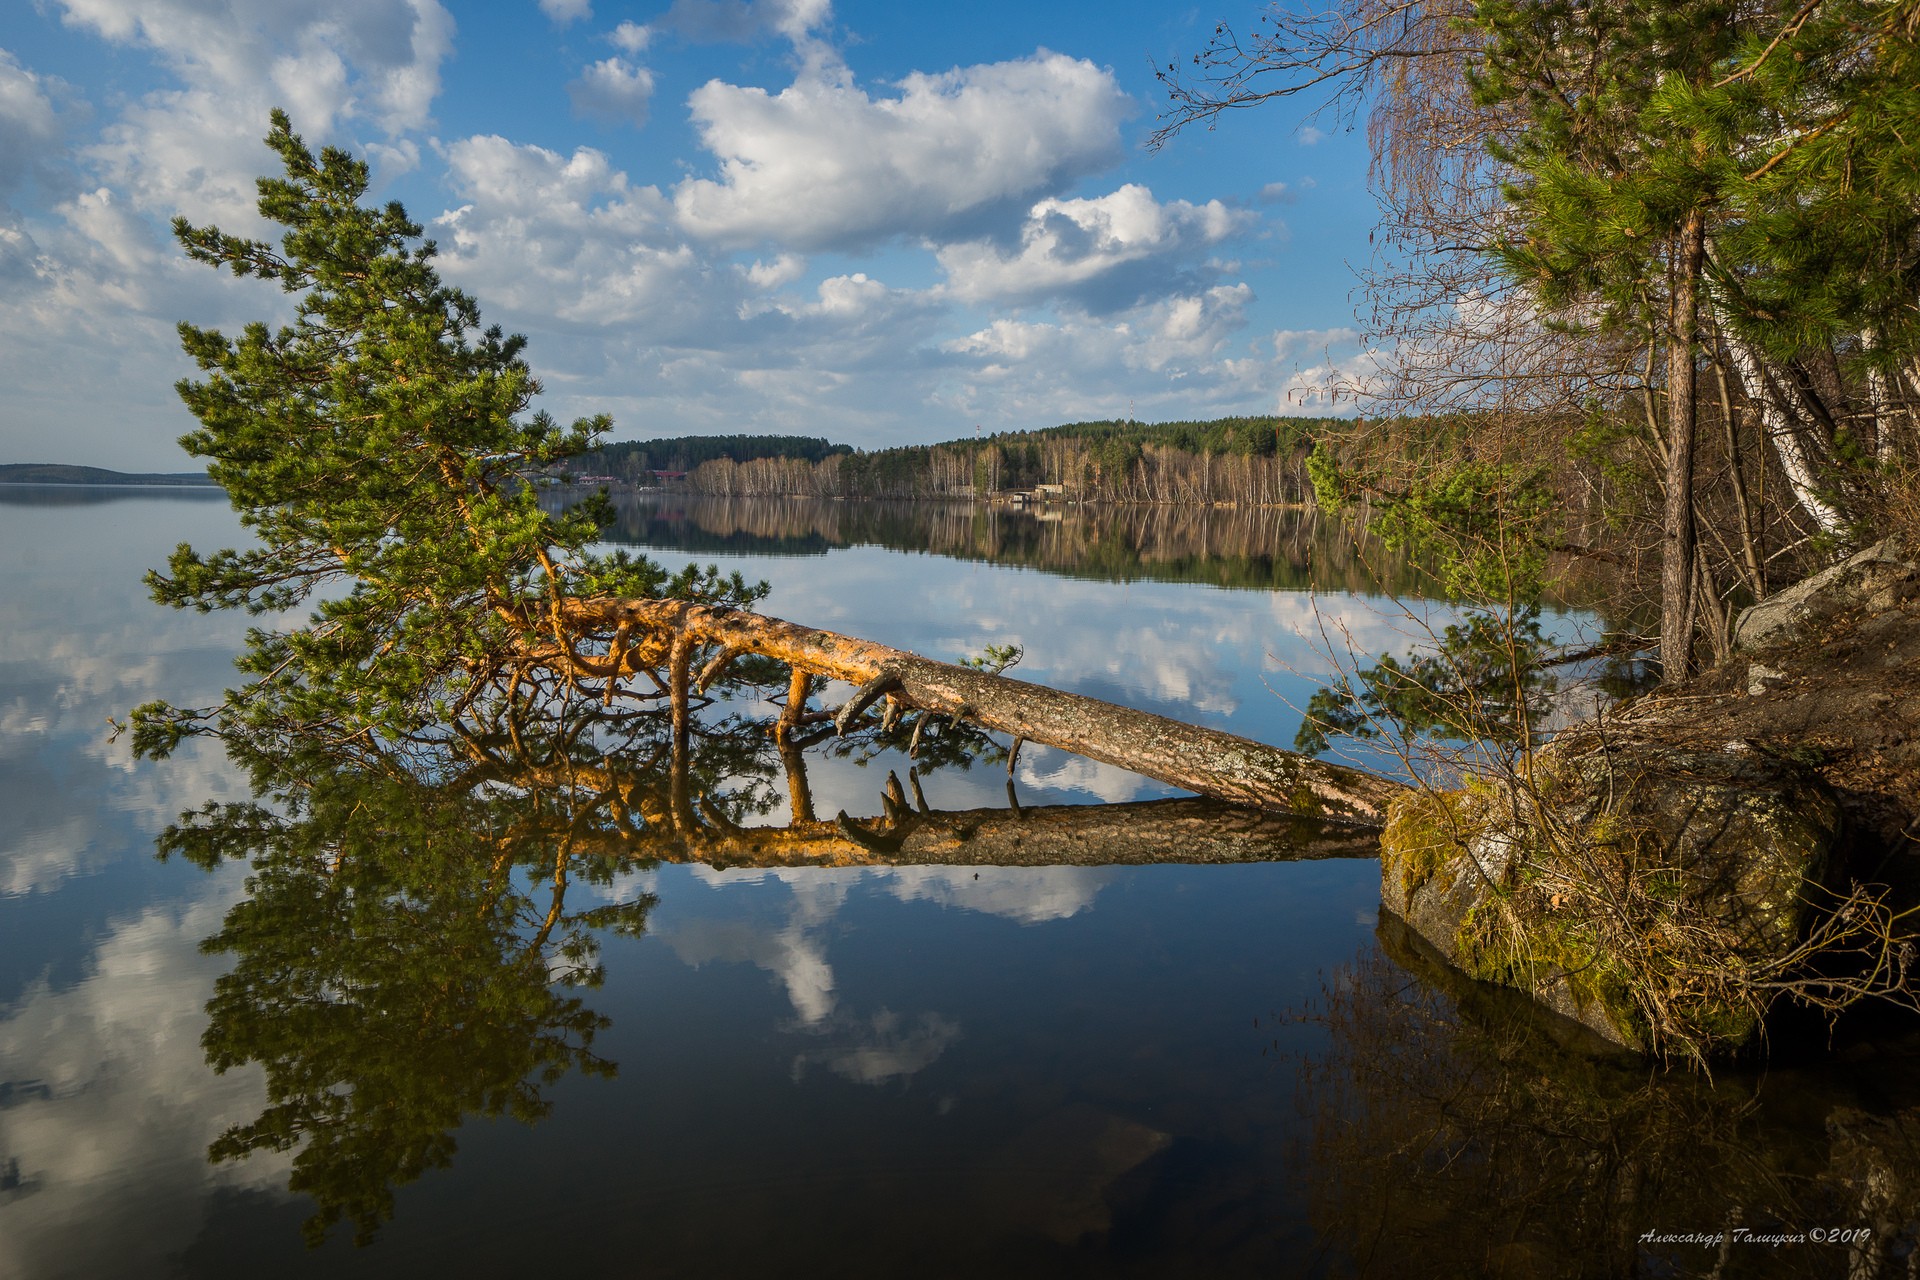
{"x": 1628, "y": 887}
{"x": 1424, "y": 830}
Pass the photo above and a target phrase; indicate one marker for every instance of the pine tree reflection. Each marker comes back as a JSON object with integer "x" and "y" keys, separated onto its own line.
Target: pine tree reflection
{"x": 415, "y": 946}
{"x": 412, "y": 945}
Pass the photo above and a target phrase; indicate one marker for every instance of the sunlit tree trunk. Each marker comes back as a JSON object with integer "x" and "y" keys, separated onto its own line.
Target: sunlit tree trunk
{"x": 1208, "y": 761}
{"x": 1786, "y": 436}
{"x": 1678, "y": 533}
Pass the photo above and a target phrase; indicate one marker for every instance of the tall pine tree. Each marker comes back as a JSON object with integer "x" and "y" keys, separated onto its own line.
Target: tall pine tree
{"x": 1611, "y": 198}
{"x": 380, "y": 450}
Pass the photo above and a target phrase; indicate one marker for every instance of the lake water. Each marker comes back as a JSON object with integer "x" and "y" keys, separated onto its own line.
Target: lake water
{"x": 1114, "y": 1064}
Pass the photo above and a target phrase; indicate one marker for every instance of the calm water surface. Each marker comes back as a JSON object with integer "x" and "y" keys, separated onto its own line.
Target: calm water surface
{"x": 1076, "y": 1069}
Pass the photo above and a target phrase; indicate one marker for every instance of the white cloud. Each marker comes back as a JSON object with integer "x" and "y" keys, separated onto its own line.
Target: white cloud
{"x": 113, "y": 1141}
{"x": 1029, "y": 895}
{"x": 63, "y": 684}
{"x": 92, "y": 292}
{"x": 869, "y": 1050}
{"x": 1180, "y": 336}
{"x": 1064, "y": 771}
{"x": 631, "y": 38}
{"x": 613, "y": 89}
{"x": 393, "y": 46}
{"x": 882, "y": 1048}
{"x": 1330, "y": 368}
{"x": 641, "y": 302}
{"x": 1310, "y": 136}
{"x": 845, "y": 299}
{"x": 1295, "y": 344}
{"x": 193, "y": 153}
{"x": 796, "y": 955}
{"x": 565, "y": 12}
{"x": 30, "y": 125}
{"x": 1180, "y": 355}
{"x": 783, "y": 270}
{"x": 1341, "y": 631}
{"x": 567, "y": 237}
{"x": 596, "y": 269}
{"x": 194, "y": 149}
{"x": 19, "y": 253}
{"x": 1068, "y": 245}
{"x": 1184, "y": 331}
{"x": 823, "y": 164}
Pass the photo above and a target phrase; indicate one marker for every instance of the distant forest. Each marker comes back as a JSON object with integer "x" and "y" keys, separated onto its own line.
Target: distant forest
{"x": 1242, "y": 460}
{"x": 635, "y": 461}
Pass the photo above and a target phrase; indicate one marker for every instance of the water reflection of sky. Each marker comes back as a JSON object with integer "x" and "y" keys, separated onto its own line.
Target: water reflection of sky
{"x": 1244, "y": 661}
{"x": 101, "y": 976}
{"x": 80, "y": 644}
{"x": 854, "y": 1064}
{"x": 886, "y": 1044}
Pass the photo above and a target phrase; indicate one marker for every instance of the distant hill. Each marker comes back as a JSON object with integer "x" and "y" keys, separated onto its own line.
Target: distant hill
{"x": 61, "y": 473}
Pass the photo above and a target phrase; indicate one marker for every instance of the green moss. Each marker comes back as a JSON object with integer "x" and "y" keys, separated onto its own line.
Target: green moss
{"x": 1666, "y": 886}
{"x": 1611, "y": 832}
{"x": 1497, "y": 943}
{"x": 1510, "y": 940}
{"x": 1550, "y": 930}
{"x": 1721, "y": 1024}
{"x": 1424, "y": 829}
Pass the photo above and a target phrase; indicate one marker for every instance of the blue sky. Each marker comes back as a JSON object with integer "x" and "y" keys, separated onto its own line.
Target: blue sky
{"x": 879, "y": 223}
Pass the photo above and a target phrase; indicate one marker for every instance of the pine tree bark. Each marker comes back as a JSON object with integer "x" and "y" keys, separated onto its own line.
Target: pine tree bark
{"x": 1209, "y": 762}
{"x": 1677, "y": 524}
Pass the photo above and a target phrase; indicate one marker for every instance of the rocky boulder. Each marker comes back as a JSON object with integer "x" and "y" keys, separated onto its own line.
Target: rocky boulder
{"x": 1875, "y": 580}
{"x": 1629, "y": 885}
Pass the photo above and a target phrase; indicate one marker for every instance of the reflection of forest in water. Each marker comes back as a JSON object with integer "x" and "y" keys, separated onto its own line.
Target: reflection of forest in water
{"x": 1250, "y": 548}
{"x": 89, "y": 495}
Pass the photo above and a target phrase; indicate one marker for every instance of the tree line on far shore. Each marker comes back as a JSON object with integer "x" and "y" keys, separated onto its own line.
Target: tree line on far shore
{"x": 1242, "y": 461}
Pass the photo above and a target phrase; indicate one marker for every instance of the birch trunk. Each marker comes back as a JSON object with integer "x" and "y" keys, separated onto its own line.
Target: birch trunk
{"x": 1879, "y": 404}
{"x": 1780, "y": 430}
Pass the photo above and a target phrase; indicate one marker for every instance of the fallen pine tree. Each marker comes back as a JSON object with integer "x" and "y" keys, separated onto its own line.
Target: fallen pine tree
{"x": 380, "y": 451}
{"x": 1206, "y": 761}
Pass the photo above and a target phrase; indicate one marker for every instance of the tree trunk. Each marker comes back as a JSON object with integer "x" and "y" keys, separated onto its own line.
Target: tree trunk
{"x": 1139, "y": 833}
{"x": 1749, "y": 541}
{"x": 1879, "y": 404}
{"x": 1206, "y": 761}
{"x": 1677, "y": 524}
{"x": 1777, "y": 424}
